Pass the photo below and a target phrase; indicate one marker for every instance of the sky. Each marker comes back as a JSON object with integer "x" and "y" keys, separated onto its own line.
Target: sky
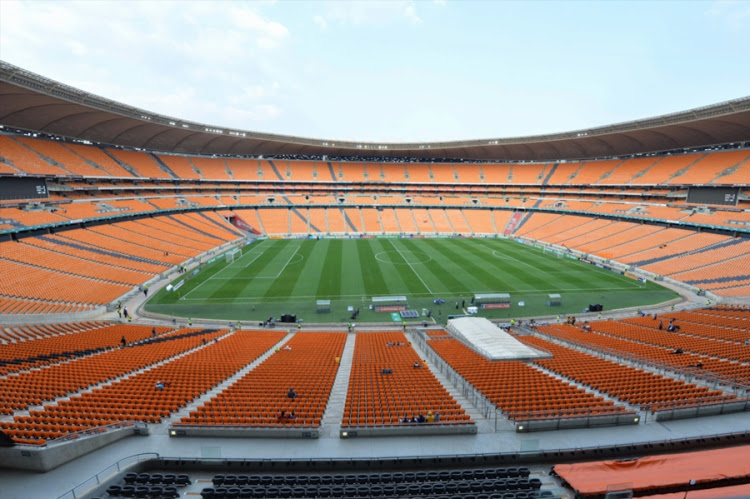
{"x": 390, "y": 71}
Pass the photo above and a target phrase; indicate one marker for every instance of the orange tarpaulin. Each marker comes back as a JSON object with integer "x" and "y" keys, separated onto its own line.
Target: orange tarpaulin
{"x": 670, "y": 470}
{"x": 733, "y": 492}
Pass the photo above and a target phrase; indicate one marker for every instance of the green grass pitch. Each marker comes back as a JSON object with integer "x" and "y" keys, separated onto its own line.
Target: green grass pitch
{"x": 278, "y": 276}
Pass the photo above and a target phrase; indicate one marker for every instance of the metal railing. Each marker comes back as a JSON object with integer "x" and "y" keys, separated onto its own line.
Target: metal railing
{"x": 82, "y": 488}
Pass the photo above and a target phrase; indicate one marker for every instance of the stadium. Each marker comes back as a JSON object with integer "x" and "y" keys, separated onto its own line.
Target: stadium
{"x": 195, "y": 311}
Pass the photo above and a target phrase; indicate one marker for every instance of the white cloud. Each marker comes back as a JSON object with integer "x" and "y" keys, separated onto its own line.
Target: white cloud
{"x": 252, "y": 116}
{"x": 410, "y": 12}
{"x": 320, "y": 21}
{"x": 371, "y": 12}
{"x": 268, "y": 34}
{"x": 77, "y": 48}
{"x": 260, "y": 91}
{"x": 735, "y": 13}
{"x": 187, "y": 60}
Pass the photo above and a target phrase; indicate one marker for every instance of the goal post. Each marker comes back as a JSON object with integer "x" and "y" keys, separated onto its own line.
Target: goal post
{"x": 232, "y": 254}
{"x": 553, "y": 251}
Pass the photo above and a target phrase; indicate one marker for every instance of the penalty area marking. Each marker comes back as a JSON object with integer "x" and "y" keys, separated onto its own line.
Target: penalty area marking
{"x": 235, "y": 277}
{"x": 619, "y": 277}
{"x": 214, "y": 278}
{"x": 297, "y": 259}
{"x": 282, "y": 268}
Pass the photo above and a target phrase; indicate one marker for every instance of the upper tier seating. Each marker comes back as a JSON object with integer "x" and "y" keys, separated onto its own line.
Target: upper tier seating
{"x": 100, "y": 159}
{"x": 61, "y": 154}
{"x": 20, "y": 157}
{"x": 120, "y": 182}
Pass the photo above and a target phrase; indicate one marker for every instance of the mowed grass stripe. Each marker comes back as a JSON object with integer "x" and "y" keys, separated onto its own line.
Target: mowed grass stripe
{"x": 467, "y": 281}
{"x": 242, "y": 277}
{"x": 445, "y": 280}
{"x": 488, "y": 273}
{"x": 393, "y": 278}
{"x": 364, "y": 268}
{"x": 413, "y": 263}
{"x": 282, "y": 286}
{"x": 531, "y": 270}
{"x": 311, "y": 252}
{"x": 402, "y": 271}
{"x": 509, "y": 275}
{"x": 522, "y": 257}
{"x": 370, "y": 271}
{"x": 351, "y": 277}
{"x": 330, "y": 274}
{"x": 567, "y": 273}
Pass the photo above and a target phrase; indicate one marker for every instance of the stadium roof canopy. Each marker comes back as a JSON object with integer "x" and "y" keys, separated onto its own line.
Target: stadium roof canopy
{"x": 34, "y": 103}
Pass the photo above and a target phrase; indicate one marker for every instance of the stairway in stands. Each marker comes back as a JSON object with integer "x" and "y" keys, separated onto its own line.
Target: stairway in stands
{"x": 483, "y": 424}
{"x": 331, "y": 422}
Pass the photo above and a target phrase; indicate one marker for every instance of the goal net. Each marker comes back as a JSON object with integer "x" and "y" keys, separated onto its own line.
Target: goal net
{"x": 553, "y": 251}
{"x": 232, "y": 254}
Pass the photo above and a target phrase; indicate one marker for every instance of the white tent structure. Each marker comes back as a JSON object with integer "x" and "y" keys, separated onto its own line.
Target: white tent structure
{"x": 489, "y": 340}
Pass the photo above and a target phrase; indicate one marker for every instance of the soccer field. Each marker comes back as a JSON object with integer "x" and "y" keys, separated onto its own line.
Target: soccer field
{"x": 278, "y": 276}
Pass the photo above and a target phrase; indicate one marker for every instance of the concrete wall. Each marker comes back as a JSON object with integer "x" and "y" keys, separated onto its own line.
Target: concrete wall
{"x": 48, "y": 457}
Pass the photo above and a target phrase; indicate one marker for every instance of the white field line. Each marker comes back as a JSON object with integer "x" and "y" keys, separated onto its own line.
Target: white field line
{"x": 415, "y": 295}
{"x": 213, "y": 277}
{"x": 619, "y": 277}
{"x": 282, "y": 268}
{"x": 411, "y": 267}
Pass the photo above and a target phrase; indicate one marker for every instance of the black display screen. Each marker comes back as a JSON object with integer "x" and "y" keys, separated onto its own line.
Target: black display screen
{"x": 23, "y": 188}
{"x": 713, "y": 195}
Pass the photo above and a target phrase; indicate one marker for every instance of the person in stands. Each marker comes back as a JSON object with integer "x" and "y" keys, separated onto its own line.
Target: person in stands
{"x": 291, "y": 394}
